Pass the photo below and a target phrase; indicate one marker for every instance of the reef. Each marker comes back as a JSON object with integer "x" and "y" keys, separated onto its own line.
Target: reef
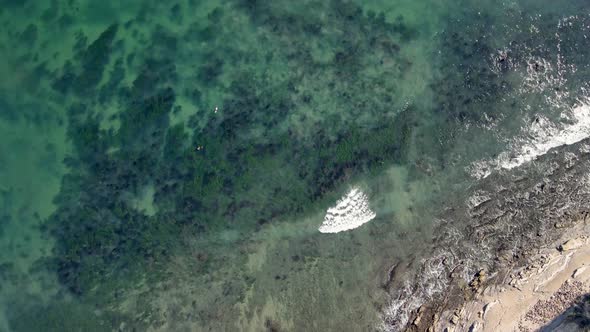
{"x": 222, "y": 142}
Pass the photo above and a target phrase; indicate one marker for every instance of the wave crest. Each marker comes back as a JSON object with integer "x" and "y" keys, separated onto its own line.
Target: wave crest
{"x": 350, "y": 212}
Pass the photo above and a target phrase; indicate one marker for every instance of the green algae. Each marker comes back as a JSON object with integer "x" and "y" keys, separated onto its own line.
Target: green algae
{"x": 262, "y": 136}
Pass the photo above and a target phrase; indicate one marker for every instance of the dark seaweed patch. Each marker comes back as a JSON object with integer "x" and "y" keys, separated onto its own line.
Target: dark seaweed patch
{"x": 81, "y": 79}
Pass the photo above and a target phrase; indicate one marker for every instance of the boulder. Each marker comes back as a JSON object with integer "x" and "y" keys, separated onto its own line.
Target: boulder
{"x": 571, "y": 245}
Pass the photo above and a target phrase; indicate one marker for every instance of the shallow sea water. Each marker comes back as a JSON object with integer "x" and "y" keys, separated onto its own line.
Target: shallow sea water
{"x": 166, "y": 166}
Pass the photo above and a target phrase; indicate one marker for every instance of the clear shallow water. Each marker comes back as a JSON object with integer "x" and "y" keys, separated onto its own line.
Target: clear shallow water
{"x": 167, "y": 166}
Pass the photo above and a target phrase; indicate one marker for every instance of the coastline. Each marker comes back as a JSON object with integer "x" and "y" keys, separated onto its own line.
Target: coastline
{"x": 536, "y": 296}
{"x": 506, "y": 270}
{"x": 533, "y": 297}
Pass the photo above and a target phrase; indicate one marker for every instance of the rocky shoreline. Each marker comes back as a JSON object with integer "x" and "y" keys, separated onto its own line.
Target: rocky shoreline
{"x": 516, "y": 228}
{"x": 531, "y": 298}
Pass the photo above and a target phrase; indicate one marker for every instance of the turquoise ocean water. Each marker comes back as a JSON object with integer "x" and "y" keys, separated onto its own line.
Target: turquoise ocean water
{"x": 165, "y": 166}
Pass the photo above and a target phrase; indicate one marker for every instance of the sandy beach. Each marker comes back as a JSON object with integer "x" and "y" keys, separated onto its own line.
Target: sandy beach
{"x": 536, "y": 297}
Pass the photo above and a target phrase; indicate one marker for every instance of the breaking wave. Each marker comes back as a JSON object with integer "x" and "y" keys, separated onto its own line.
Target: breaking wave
{"x": 537, "y": 139}
{"x": 350, "y": 212}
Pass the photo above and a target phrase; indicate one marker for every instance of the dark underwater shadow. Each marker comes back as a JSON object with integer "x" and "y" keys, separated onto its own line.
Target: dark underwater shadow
{"x": 575, "y": 318}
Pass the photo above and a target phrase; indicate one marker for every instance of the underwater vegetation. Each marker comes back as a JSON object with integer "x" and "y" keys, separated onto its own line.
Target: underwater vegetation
{"x": 268, "y": 132}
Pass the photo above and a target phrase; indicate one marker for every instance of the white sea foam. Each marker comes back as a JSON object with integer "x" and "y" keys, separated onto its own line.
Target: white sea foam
{"x": 546, "y": 71}
{"x": 350, "y": 212}
{"x": 537, "y": 139}
{"x": 477, "y": 199}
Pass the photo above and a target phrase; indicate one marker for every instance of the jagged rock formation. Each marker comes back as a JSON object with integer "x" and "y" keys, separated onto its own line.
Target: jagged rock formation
{"x": 524, "y": 209}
